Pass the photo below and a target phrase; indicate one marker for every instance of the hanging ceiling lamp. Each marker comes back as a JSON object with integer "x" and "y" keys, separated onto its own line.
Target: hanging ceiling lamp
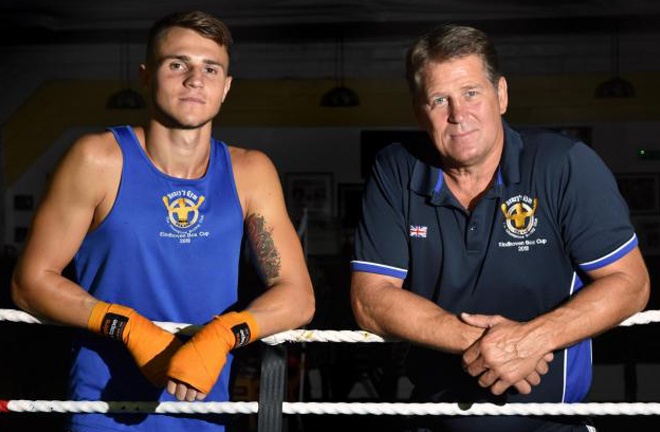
{"x": 126, "y": 98}
{"x": 615, "y": 87}
{"x": 340, "y": 96}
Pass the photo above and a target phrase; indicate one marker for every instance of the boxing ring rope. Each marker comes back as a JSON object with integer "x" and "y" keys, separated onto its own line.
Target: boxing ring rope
{"x": 351, "y": 408}
{"x": 300, "y": 335}
{"x": 271, "y": 405}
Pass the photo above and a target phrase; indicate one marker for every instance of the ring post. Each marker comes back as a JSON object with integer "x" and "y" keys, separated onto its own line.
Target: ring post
{"x": 272, "y": 388}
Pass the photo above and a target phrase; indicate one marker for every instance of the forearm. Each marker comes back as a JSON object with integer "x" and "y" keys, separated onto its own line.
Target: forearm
{"x": 53, "y": 297}
{"x": 393, "y": 312}
{"x": 596, "y": 309}
{"x": 609, "y": 299}
{"x": 284, "y": 306}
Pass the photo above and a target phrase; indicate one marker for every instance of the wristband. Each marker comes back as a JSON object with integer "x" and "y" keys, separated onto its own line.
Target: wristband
{"x": 150, "y": 346}
{"x": 199, "y": 362}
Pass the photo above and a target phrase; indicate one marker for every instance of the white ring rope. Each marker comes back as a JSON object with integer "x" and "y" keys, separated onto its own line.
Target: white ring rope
{"x": 34, "y": 406}
{"x": 481, "y": 409}
{"x": 300, "y": 335}
{"x": 452, "y": 409}
{"x": 335, "y": 408}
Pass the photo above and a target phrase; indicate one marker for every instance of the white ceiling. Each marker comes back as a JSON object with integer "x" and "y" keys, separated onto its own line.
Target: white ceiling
{"x": 36, "y": 21}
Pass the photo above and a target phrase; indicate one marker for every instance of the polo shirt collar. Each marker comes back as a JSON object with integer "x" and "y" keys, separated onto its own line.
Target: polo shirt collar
{"x": 428, "y": 179}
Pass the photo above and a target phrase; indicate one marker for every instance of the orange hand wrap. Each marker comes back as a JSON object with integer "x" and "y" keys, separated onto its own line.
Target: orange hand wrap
{"x": 199, "y": 362}
{"x": 150, "y": 345}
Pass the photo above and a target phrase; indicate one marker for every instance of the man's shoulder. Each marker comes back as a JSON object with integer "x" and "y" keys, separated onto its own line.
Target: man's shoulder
{"x": 401, "y": 159}
{"x": 245, "y": 160}
{"x": 548, "y": 145}
{"x": 554, "y": 153}
{"x": 547, "y": 138}
{"x": 93, "y": 156}
{"x": 96, "y": 148}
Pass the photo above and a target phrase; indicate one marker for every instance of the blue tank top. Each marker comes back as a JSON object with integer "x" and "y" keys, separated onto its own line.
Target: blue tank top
{"x": 170, "y": 249}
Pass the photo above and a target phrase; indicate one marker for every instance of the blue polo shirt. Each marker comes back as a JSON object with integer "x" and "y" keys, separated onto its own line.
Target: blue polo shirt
{"x": 553, "y": 212}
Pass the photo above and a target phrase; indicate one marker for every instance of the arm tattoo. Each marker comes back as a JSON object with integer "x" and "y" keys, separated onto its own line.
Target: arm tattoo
{"x": 263, "y": 247}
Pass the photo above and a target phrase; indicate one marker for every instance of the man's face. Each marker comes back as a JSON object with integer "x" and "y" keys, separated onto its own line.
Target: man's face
{"x": 188, "y": 81}
{"x": 461, "y": 110}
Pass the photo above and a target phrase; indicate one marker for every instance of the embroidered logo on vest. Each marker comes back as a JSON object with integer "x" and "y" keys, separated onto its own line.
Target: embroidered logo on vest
{"x": 183, "y": 215}
{"x": 183, "y": 212}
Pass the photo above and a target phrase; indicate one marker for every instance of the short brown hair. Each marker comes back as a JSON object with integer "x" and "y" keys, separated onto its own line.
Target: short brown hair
{"x": 446, "y": 43}
{"x": 203, "y": 23}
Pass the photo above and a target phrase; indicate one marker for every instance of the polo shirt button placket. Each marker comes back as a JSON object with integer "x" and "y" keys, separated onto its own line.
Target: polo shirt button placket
{"x": 474, "y": 235}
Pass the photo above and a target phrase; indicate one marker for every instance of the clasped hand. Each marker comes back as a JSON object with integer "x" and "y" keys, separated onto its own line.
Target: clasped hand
{"x": 505, "y": 356}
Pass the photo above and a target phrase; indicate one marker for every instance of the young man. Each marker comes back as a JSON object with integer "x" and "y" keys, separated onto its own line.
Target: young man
{"x": 154, "y": 218}
{"x": 513, "y": 248}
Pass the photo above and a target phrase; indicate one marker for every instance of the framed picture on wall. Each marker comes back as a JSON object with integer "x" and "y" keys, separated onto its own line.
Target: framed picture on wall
{"x": 372, "y": 141}
{"x": 23, "y": 202}
{"x": 349, "y": 204}
{"x": 311, "y": 191}
{"x": 641, "y": 191}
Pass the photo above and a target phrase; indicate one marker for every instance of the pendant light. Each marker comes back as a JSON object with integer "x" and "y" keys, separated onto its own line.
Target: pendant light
{"x": 615, "y": 87}
{"x": 126, "y": 98}
{"x": 340, "y": 96}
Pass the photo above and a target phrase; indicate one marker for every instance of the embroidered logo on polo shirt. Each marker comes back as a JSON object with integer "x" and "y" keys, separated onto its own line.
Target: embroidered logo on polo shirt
{"x": 520, "y": 216}
{"x": 418, "y": 231}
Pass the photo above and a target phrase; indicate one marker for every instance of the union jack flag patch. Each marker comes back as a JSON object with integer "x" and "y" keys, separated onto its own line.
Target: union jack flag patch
{"x": 418, "y": 231}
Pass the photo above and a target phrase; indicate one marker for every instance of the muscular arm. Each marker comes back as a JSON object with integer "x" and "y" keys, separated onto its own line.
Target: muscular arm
{"x": 288, "y": 301}
{"x": 509, "y": 350}
{"x": 381, "y": 306}
{"x": 64, "y": 216}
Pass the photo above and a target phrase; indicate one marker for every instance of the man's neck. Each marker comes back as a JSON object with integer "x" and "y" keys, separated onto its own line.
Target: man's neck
{"x": 469, "y": 183}
{"x": 180, "y": 153}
